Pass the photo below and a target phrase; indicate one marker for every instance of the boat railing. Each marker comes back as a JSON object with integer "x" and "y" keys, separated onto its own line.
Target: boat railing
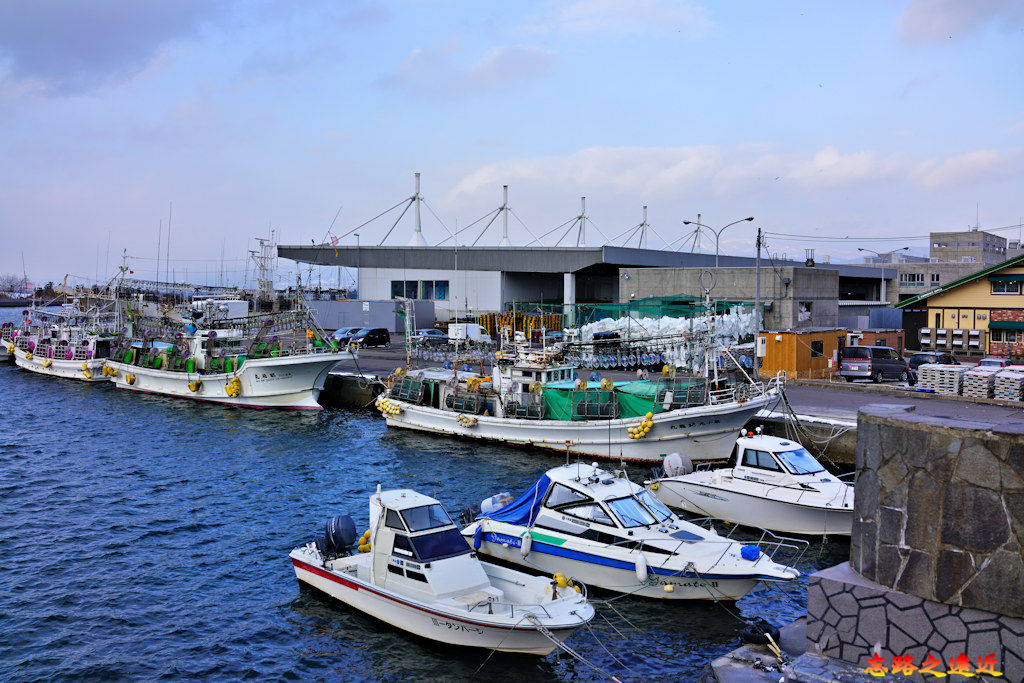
{"x": 770, "y": 544}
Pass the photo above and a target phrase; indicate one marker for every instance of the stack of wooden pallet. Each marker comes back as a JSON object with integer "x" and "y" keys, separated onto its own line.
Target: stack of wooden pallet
{"x": 979, "y": 382}
{"x": 942, "y": 379}
{"x": 1009, "y": 384}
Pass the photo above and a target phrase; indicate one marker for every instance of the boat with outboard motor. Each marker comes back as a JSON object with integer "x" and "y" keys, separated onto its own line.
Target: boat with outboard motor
{"x": 773, "y": 483}
{"x": 416, "y": 572}
{"x": 277, "y": 360}
{"x": 613, "y": 534}
{"x": 72, "y": 343}
{"x": 530, "y": 399}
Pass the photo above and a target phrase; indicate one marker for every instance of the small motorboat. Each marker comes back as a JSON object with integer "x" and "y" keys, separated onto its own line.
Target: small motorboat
{"x": 613, "y": 534}
{"x": 773, "y": 484}
{"x": 415, "y": 571}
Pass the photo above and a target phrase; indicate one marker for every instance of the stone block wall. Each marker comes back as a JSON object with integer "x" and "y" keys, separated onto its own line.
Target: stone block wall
{"x": 939, "y": 509}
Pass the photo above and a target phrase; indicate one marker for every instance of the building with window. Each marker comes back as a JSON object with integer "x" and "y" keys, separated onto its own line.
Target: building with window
{"x": 968, "y": 246}
{"x": 980, "y": 313}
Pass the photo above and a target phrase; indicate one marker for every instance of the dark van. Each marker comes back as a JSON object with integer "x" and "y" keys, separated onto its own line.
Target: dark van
{"x": 371, "y": 336}
{"x": 873, "y": 362}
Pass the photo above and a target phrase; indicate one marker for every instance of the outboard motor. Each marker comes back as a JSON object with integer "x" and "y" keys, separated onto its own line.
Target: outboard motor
{"x": 339, "y": 535}
{"x": 677, "y": 465}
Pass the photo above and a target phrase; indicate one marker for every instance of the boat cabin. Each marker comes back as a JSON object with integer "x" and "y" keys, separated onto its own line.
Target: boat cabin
{"x": 770, "y": 459}
{"x": 586, "y": 501}
{"x": 419, "y": 552}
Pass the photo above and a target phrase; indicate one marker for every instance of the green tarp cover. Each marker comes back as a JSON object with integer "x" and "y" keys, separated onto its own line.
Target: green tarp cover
{"x": 560, "y": 400}
{"x": 1006, "y": 325}
{"x": 1010, "y": 277}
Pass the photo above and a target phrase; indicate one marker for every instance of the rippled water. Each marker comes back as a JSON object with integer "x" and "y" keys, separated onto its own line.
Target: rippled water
{"x": 148, "y": 537}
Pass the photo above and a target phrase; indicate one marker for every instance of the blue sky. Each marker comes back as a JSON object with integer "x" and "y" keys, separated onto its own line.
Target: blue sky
{"x": 868, "y": 120}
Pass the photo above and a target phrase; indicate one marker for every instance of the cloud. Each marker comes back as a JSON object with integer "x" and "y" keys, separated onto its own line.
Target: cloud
{"x": 972, "y": 167}
{"x": 646, "y": 172}
{"x": 435, "y": 72}
{"x": 619, "y": 17}
{"x": 917, "y": 82}
{"x": 73, "y": 47}
{"x": 930, "y": 21}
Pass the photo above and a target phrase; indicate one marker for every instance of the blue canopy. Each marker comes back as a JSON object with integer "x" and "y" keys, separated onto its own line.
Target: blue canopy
{"x": 523, "y": 510}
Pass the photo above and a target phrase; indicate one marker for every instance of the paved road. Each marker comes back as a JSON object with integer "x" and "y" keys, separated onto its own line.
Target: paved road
{"x": 839, "y": 401}
{"x": 836, "y": 401}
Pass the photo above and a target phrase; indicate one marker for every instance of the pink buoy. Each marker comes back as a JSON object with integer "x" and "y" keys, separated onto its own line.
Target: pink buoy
{"x": 49, "y": 352}
{"x": 31, "y": 346}
{"x": 69, "y": 355}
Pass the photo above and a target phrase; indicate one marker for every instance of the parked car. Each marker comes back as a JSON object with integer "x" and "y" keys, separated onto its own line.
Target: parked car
{"x": 371, "y": 336}
{"x": 922, "y": 357}
{"x": 343, "y": 334}
{"x": 993, "y": 363}
{"x": 873, "y": 362}
{"x": 430, "y": 336}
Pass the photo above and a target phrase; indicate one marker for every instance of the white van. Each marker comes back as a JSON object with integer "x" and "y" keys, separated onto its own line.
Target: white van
{"x": 468, "y": 331}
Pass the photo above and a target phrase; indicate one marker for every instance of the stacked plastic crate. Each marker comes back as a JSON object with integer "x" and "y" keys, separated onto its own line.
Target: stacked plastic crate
{"x": 1009, "y": 384}
{"x": 948, "y": 379}
{"x": 979, "y": 382}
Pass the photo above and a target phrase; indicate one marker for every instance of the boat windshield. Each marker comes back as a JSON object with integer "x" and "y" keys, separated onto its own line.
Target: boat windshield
{"x": 630, "y": 512}
{"x": 655, "y": 506}
{"x": 438, "y": 546}
{"x": 800, "y": 461}
{"x": 426, "y": 517}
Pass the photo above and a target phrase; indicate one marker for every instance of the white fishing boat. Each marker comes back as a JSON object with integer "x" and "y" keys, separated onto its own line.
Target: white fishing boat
{"x": 773, "y": 483}
{"x": 417, "y": 573}
{"x": 72, "y": 343}
{"x": 277, "y": 361}
{"x": 536, "y": 402}
{"x": 613, "y": 534}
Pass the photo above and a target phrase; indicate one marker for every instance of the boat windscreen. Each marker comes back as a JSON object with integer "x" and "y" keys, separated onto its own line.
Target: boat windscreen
{"x": 630, "y": 512}
{"x": 655, "y": 506}
{"x": 426, "y": 517}
{"x": 437, "y": 546}
{"x": 800, "y": 461}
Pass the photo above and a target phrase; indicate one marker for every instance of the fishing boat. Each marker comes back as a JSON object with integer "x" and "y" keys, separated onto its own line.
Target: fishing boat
{"x": 280, "y": 360}
{"x": 72, "y": 343}
{"x": 415, "y": 572}
{"x": 532, "y": 399}
{"x": 773, "y": 483}
{"x": 613, "y": 534}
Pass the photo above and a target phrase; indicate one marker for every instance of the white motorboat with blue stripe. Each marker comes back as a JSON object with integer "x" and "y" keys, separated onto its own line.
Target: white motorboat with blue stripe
{"x": 610, "y": 533}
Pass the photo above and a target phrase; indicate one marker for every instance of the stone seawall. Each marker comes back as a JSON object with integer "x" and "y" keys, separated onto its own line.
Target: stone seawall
{"x": 939, "y": 511}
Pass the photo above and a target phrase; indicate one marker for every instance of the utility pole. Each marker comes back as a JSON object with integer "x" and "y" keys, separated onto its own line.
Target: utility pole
{"x": 757, "y": 307}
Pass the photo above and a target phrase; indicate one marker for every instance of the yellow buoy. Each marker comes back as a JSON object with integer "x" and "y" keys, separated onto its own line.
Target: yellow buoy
{"x": 654, "y": 486}
{"x": 649, "y": 415}
{"x": 47, "y": 363}
{"x": 669, "y": 588}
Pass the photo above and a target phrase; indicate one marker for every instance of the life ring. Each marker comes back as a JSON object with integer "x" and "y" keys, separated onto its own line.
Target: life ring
{"x": 400, "y": 372}
{"x": 536, "y": 388}
{"x": 473, "y": 383}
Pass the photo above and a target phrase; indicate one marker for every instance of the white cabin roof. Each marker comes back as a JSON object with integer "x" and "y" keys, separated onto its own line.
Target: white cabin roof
{"x": 616, "y": 488}
{"x": 768, "y": 443}
{"x": 403, "y": 499}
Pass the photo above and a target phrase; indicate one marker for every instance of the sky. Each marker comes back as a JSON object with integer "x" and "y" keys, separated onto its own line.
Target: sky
{"x": 874, "y": 122}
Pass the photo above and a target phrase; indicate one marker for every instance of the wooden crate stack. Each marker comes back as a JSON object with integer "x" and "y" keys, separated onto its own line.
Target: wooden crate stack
{"x": 1009, "y": 384}
{"x": 979, "y": 382}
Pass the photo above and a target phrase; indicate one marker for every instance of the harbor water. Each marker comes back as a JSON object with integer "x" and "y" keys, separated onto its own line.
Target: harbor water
{"x": 146, "y": 537}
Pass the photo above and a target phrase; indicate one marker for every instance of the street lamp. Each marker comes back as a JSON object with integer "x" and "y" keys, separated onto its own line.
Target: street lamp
{"x": 718, "y": 232}
{"x": 884, "y": 253}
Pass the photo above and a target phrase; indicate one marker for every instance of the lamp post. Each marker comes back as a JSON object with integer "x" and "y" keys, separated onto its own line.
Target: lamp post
{"x": 884, "y": 253}
{"x": 717, "y": 233}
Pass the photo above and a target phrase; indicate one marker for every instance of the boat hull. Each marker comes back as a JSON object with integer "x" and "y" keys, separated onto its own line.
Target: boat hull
{"x": 68, "y": 369}
{"x": 426, "y": 621}
{"x": 618, "y": 575}
{"x": 292, "y": 382}
{"x": 702, "y": 433}
{"x": 775, "y": 515}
